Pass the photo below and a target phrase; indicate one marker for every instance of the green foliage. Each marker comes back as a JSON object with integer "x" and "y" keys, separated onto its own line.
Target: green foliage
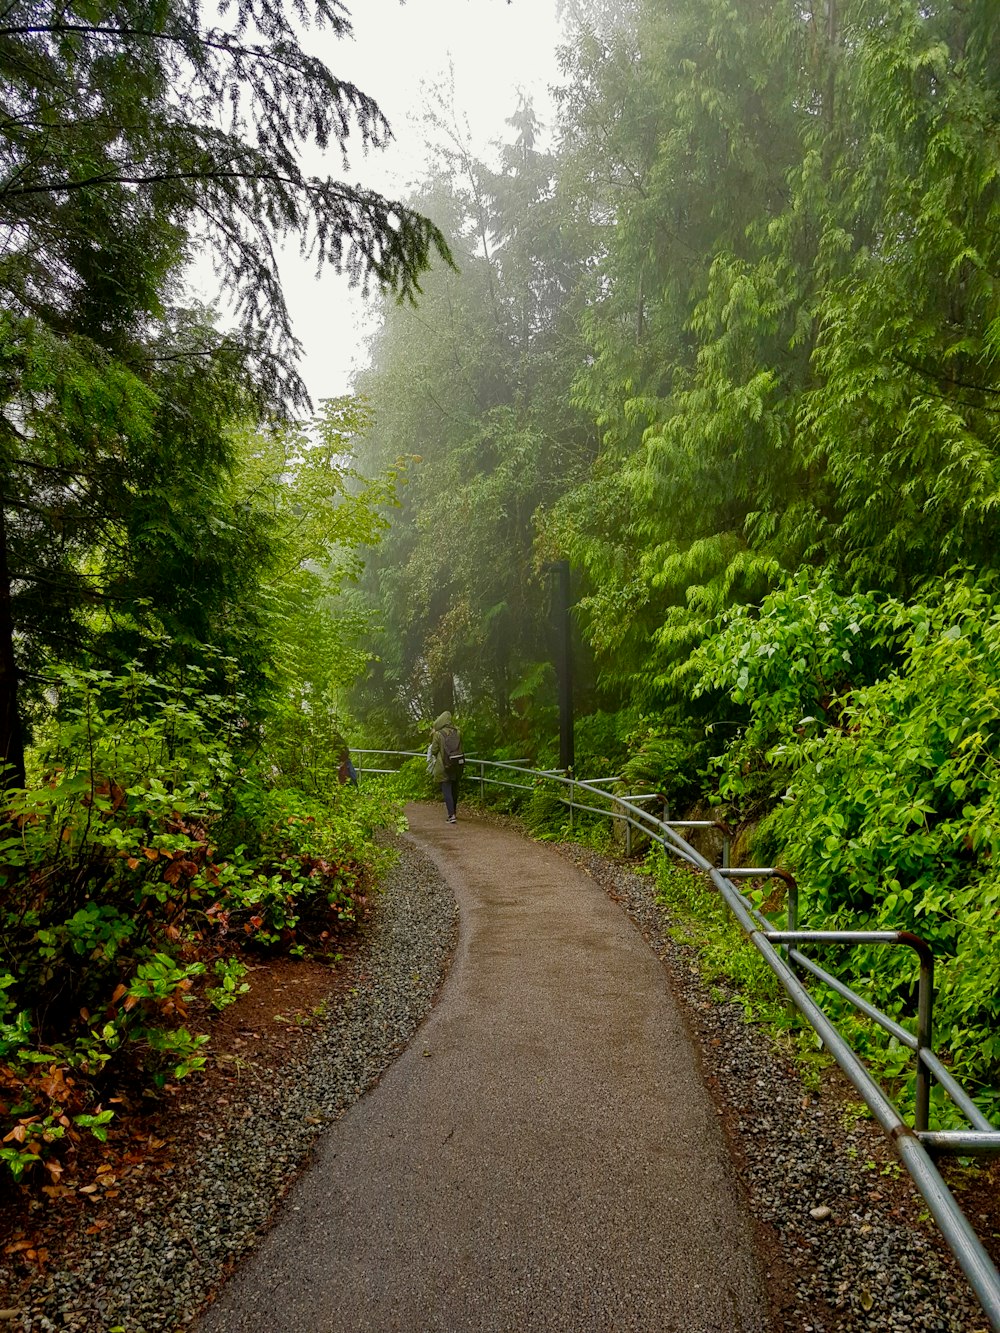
{"x": 786, "y": 670}
{"x": 470, "y": 389}
{"x": 119, "y": 530}
{"x": 122, "y": 875}
{"x": 666, "y": 754}
{"x": 229, "y": 972}
{"x": 321, "y": 514}
{"x": 411, "y": 782}
{"x": 892, "y": 818}
{"x": 697, "y": 915}
{"x": 868, "y": 743}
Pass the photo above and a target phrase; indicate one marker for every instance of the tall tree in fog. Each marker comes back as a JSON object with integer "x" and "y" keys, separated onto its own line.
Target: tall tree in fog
{"x": 473, "y": 382}
{"x": 131, "y": 135}
{"x": 793, "y": 318}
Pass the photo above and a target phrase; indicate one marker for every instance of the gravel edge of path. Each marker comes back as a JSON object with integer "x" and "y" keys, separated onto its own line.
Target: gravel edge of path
{"x": 225, "y": 1191}
{"x": 872, "y": 1265}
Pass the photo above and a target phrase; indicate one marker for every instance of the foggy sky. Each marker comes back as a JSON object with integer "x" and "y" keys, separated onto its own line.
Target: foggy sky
{"x": 494, "y": 48}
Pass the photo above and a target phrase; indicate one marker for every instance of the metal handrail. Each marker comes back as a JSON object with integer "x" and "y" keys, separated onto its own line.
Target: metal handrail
{"x": 917, "y": 1146}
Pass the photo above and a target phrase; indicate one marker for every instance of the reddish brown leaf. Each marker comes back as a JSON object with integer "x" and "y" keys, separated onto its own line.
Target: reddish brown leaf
{"x": 58, "y": 1191}
{"x": 54, "y": 1086}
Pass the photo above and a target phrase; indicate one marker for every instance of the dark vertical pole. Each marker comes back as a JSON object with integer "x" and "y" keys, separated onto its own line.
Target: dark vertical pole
{"x": 11, "y": 741}
{"x": 564, "y": 665}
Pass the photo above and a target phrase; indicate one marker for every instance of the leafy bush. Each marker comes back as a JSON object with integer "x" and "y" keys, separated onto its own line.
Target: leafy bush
{"x": 668, "y": 757}
{"x": 122, "y": 877}
{"x": 893, "y": 819}
{"x": 411, "y": 782}
{"x": 788, "y": 668}
{"x": 872, "y": 730}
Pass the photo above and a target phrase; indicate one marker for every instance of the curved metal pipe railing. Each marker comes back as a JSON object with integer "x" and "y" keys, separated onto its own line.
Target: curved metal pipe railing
{"x": 918, "y": 1145}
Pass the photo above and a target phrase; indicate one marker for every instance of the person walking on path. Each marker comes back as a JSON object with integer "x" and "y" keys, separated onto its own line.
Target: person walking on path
{"x": 446, "y": 751}
{"x": 346, "y": 772}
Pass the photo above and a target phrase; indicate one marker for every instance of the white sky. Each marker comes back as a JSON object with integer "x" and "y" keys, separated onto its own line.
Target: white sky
{"x": 495, "y": 49}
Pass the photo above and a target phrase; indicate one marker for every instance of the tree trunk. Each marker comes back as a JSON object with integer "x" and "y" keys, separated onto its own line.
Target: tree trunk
{"x": 444, "y": 695}
{"x": 11, "y": 736}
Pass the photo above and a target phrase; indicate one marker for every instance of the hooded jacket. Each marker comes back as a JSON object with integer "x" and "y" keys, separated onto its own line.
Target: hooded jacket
{"x": 443, "y": 724}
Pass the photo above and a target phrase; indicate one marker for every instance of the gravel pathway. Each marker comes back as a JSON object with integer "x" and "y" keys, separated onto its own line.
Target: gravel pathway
{"x": 869, "y": 1266}
{"x": 544, "y": 1157}
{"x": 181, "y": 1241}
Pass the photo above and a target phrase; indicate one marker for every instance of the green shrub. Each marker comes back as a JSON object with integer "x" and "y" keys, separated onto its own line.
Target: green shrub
{"x": 121, "y": 875}
{"x": 872, "y": 740}
{"x": 892, "y": 820}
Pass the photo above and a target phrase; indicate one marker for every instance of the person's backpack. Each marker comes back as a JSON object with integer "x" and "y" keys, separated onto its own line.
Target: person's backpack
{"x": 451, "y": 751}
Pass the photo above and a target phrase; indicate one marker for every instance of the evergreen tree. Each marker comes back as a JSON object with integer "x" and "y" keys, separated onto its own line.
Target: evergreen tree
{"x": 132, "y": 134}
{"x": 473, "y": 382}
{"x": 793, "y": 310}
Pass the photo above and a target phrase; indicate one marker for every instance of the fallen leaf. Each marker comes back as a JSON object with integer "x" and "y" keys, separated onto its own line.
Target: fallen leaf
{"x": 58, "y": 1191}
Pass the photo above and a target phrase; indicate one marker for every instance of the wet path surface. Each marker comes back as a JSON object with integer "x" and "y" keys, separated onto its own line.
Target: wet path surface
{"x": 542, "y": 1156}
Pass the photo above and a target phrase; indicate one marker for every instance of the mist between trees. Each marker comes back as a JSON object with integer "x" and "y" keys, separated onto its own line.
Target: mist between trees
{"x": 725, "y": 337}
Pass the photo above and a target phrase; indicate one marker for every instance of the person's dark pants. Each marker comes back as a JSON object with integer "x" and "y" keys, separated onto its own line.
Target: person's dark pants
{"x": 449, "y": 790}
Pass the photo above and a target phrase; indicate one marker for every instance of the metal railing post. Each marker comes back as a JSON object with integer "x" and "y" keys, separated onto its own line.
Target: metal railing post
{"x": 628, "y": 832}
{"x": 482, "y": 781}
{"x": 925, "y": 1021}
{"x": 792, "y": 900}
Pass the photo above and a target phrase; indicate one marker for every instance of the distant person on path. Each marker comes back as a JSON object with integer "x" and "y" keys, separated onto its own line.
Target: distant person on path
{"x": 346, "y": 772}
{"x": 446, "y": 751}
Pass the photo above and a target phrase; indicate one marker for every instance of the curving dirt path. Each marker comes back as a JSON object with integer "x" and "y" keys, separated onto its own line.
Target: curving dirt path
{"x": 543, "y": 1156}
